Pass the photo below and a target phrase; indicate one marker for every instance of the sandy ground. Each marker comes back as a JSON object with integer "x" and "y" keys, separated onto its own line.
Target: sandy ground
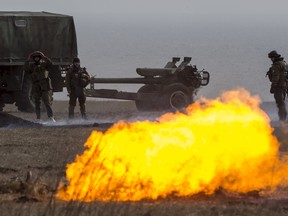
{"x": 45, "y": 151}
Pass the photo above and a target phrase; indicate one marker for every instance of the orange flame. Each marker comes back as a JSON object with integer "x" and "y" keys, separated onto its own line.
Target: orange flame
{"x": 226, "y": 142}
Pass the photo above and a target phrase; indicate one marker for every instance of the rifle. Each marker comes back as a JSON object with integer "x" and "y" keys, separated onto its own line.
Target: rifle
{"x": 269, "y": 74}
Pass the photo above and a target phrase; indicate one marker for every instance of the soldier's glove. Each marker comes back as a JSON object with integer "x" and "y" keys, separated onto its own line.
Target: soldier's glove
{"x": 272, "y": 90}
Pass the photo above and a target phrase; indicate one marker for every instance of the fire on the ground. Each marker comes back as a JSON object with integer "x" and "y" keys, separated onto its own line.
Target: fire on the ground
{"x": 223, "y": 143}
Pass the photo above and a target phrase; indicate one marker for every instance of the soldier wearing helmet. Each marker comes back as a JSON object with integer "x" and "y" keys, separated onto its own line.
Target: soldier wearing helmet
{"x": 278, "y": 82}
{"x": 77, "y": 78}
{"x": 38, "y": 66}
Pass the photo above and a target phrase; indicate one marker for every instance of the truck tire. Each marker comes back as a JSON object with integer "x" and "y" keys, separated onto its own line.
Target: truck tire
{"x": 144, "y": 104}
{"x": 23, "y": 98}
{"x": 176, "y": 96}
{"x": 2, "y": 105}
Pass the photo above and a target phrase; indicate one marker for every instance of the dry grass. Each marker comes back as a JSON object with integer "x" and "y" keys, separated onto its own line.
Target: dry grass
{"x": 163, "y": 208}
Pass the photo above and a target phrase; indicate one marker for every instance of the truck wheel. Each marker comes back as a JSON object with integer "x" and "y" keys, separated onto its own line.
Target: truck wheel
{"x": 23, "y": 98}
{"x": 176, "y": 96}
{"x": 2, "y": 105}
{"x": 144, "y": 104}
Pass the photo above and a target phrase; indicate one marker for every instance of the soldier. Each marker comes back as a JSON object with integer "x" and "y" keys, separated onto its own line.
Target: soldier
{"x": 77, "y": 79}
{"x": 278, "y": 82}
{"x": 38, "y": 66}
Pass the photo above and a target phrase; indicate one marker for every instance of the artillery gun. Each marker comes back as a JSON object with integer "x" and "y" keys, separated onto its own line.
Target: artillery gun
{"x": 171, "y": 87}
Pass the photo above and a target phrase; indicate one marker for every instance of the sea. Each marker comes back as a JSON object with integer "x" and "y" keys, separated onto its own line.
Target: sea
{"x": 233, "y": 49}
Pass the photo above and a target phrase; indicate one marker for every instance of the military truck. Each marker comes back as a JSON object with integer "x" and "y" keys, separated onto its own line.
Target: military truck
{"x": 22, "y": 33}
{"x": 171, "y": 87}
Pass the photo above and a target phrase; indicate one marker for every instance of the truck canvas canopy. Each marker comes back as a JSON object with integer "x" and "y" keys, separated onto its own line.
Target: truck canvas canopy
{"x": 23, "y": 32}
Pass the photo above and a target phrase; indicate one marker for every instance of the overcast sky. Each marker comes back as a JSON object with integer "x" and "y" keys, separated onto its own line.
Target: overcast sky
{"x": 216, "y": 7}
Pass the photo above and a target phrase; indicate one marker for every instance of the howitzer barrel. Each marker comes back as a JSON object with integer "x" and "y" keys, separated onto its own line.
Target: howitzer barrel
{"x": 128, "y": 80}
{"x": 151, "y": 72}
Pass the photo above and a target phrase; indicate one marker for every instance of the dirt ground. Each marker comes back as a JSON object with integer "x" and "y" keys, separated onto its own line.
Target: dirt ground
{"x": 37, "y": 155}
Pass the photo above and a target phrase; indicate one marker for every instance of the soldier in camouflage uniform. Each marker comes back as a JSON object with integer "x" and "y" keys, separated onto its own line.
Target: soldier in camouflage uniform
{"x": 38, "y": 66}
{"x": 278, "y": 82}
{"x": 77, "y": 79}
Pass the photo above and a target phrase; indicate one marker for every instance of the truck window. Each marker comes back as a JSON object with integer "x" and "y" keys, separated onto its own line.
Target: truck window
{"x": 20, "y": 23}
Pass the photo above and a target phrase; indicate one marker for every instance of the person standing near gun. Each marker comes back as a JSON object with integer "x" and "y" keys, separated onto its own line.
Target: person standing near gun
{"x": 278, "y": 80}
{"x": 38, "y": 66}
{"x": 77, "y": 79}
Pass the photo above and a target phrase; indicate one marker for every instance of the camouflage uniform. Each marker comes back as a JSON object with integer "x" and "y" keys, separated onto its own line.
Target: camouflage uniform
{"x": 77, "y": 79}
{"x": 278, "y": 83}
{"x": 41, "y": 83}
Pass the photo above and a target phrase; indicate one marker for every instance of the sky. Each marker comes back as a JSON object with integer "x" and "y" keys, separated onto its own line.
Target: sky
{"x": 142, "y": 7}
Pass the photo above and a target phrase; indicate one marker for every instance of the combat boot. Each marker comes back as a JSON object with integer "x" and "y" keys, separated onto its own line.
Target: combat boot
{"x": 71, "y": 111}
{"x": 52, "y": 119}
{"x": 282, "y": 113}
{"x": 84, "y": 116}
{"x": 38, "y": 113}
{"x": 83, "y": 111}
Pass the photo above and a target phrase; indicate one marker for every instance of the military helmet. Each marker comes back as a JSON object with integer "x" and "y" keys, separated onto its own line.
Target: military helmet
{"x": 37, "y": 54}
{"x": 76, "y": 60}
{"x": 273, "y": 54}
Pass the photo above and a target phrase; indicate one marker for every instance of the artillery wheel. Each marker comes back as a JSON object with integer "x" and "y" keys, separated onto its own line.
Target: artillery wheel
{"x": 147, "y": 105}
{"x": 176, "y": 96}
{"x": 23, "y": 98}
